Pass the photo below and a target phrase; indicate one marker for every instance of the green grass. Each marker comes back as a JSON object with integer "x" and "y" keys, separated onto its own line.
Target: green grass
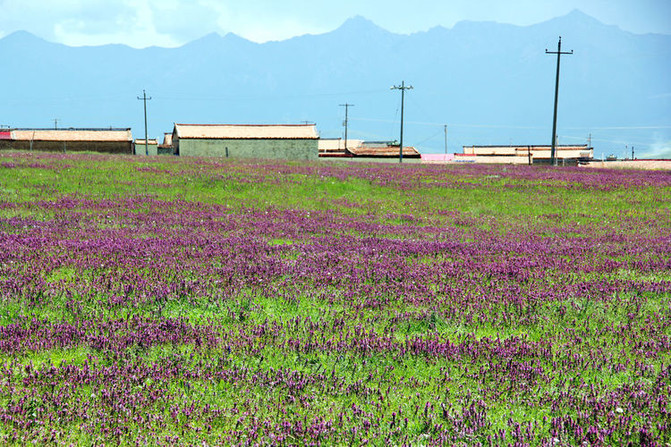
{"x": 286, "y": 343}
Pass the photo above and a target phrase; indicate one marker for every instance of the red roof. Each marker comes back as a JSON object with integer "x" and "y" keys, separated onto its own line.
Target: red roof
{"x": 5, "y": 135}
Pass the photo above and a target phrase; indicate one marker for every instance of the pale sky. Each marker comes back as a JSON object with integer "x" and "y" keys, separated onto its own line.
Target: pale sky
{"x": 170, "y": 23}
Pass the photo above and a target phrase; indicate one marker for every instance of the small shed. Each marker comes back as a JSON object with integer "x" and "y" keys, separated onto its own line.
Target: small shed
{"x": 166, "y": 147}
{"x": 335, "y": 147}
{"x": 275, "y": 141}
{"x": 151, "y": 148}
{"x": 383, "y": 149}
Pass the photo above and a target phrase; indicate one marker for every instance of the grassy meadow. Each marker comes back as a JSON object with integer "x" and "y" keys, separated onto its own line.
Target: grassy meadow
{"x": 167, "y": 301}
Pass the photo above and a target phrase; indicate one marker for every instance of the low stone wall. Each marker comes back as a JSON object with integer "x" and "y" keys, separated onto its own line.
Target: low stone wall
{"x": 664, "y": 165}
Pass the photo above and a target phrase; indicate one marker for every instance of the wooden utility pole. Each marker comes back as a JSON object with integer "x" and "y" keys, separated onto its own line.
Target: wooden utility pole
{"x": 146, "y": 141}
{"x": 553, "y": 154}
{"x": 346, "y": 122}
{"x": 402, "y": 88}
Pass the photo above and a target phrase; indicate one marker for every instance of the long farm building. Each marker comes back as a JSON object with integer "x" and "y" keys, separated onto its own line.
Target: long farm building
{"x": 274, "y": 141}
{"x": 115, "y": 141}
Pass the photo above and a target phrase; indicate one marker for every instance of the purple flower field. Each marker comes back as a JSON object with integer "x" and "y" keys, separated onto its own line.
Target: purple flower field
{"x": 162, "y": 301}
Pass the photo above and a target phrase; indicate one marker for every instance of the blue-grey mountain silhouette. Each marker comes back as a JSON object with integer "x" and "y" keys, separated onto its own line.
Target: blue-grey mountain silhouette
{"x": 490, "y": 83}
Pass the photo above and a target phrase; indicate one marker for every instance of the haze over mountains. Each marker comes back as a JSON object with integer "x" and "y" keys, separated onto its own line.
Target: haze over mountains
{"x": 490, "y": 83}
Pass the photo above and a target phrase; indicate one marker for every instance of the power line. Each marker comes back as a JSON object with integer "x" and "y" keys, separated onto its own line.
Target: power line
{"x": 441, "y": 125}
{"x": 434, "y": 135}
{"x": 178, "y": 97}
{"x": 602, "y": 140}
{"x": 622, "y": 128}
{"x": 402, "y": 88}
{"x": 554, "y": 119}
{"x": 639, "y": 141}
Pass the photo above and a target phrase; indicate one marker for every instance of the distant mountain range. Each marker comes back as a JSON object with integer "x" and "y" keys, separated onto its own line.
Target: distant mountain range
{"x": 490, "y": 83}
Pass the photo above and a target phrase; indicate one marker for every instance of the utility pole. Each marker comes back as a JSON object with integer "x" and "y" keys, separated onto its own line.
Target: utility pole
{"x": 632, "y": 152}
{"x": 554, "y": 120}
{"x": 146, "y": 141}
{"x": 346, "y": 122}
{"x": 402, "y": 88}
{"x": 55, "y": 120}
{"x": 445, "y": 139}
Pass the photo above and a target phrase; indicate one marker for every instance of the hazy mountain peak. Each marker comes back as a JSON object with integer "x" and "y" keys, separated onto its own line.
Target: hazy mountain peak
{"x": 23, "y": 37}
{"x": 577, "y": 14}
{"x": 359, "y": 24}
{"x": 579, "y": 19}
{"x": 216, "y": 39}
{"x": 211, "y": 37}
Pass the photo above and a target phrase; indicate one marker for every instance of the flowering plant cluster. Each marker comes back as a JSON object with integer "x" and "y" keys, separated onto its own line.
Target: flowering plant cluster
{"x": 157, "y": 301}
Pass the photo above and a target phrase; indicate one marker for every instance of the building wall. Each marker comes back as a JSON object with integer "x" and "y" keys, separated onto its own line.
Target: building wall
{"x": 437, "y": 158}
{"x": 562, "y": 153}
{"x": 514, "y": 160}
{"x": 560, "y": 161}
{"x": 493, "y": 151}
{"x": 369, "y": 160}
{"x": 536, "y": 151}
{"x": 631, "y": 164}
{"x": 112, "y": 147}
{"x": 299, "y": 149}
